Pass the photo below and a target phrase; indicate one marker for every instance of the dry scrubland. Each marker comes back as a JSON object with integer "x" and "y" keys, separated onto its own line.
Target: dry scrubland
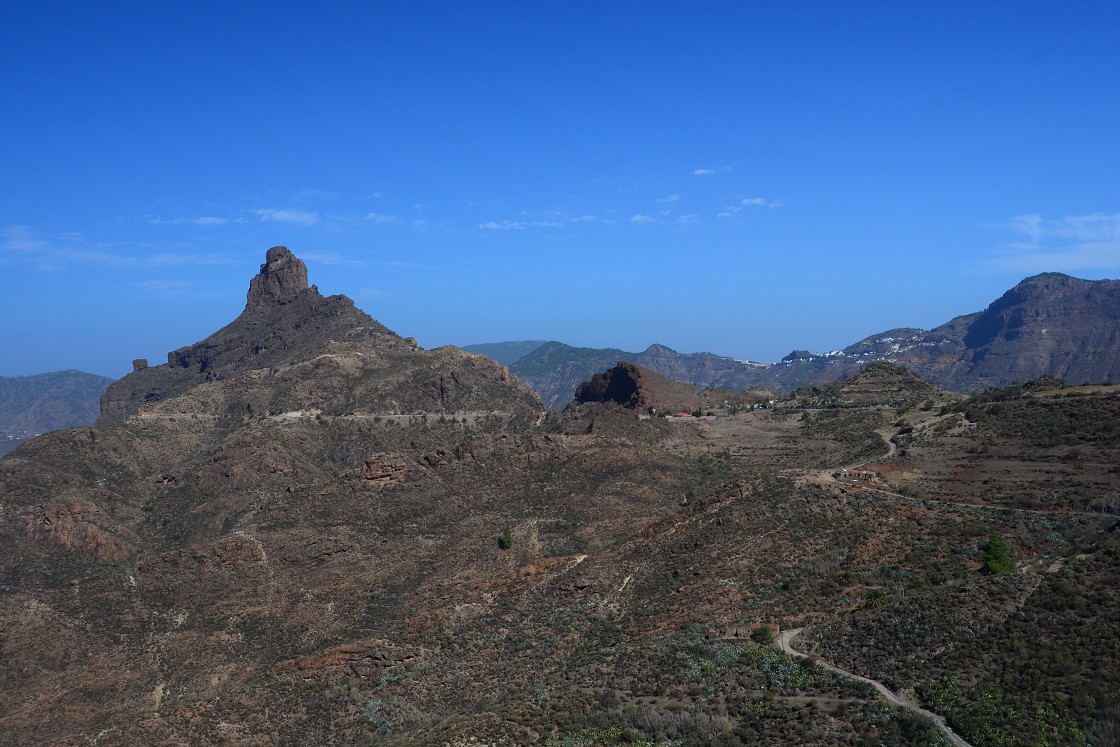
{"x": 324, "y": 578}
{"x": 264, "y": 558}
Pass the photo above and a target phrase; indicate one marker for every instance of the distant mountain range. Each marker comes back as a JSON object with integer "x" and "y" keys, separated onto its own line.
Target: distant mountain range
{"x": 555, "y": 370}
{"x": 1050, "y": 324}
{"x": 30, "y": 405}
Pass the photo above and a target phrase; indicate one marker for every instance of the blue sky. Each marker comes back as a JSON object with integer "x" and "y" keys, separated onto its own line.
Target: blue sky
{"x": 742, "y": 178}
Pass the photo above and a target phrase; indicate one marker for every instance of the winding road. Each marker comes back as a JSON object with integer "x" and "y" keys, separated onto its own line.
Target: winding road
{"x": 786, "y": 636}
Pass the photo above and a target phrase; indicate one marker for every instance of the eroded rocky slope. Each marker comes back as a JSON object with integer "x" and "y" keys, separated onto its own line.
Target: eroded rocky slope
{"x": 316, "y": 532}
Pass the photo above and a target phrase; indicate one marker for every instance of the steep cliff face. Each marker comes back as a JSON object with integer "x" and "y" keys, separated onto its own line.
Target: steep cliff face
{"x": 283, "y": 277}
{"x": 638, "y": 388}
{"x": 1049, "y": 324}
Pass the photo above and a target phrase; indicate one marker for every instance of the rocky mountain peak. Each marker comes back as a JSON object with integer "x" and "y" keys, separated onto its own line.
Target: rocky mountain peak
{"x": 283, "y": 276}
{"x": 657, "y": 349}
{"x": 285, "y": 321}
{"x": 294, "y": 350}
{"x": 621, "y": 385}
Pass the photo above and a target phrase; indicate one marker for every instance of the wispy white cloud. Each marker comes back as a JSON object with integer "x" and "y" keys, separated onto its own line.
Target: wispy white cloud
{"x": 174, "y": 259}
{"x": 379, "y": 218}
{"x": 668, "y": 198}
{"x": 762, "y": 202}
{"x": 163, "y": 285}
{"x": 294, "y": 217}
{"x": 749, "y": 202}
{"x": 583, "y": 219}
{"x": 642, "y": 219}
{"x": 703, "y": 172}
{"x": 687, "y": 218}
{"x": 24, "y": 245}
{"x": 1031, "y": 225}
{"x": 204, "y": 220}
{"x": 331, "y": 258}
{"x": 503, "y": 225}
{"x": 1069, "y": 244}
{"x": 18, "y": 238}
{"x": 518, "y": 225}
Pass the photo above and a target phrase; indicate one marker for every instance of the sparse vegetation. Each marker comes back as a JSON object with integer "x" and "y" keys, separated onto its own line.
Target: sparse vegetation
{"x": 580, "y": 578}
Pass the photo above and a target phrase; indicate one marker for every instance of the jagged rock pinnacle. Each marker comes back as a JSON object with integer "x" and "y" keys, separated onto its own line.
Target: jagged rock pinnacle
{"x": 283, "y": 276}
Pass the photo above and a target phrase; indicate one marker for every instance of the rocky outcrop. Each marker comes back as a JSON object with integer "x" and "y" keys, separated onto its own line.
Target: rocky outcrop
{"x": 620, "y": 385}
{"x": 295, "y": 353}
{"x": 637, "y": 388}
{"x": 387, "y": 467}
{"x": 284, "y": 321}
{"x": 555, "y": 369}
{"x": 283, "y": 277}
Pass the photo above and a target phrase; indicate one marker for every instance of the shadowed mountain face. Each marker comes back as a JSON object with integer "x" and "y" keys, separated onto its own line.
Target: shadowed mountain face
{"x": 636, "y": 388}
{"x": 30, "y": 405}
{"x": 306, "y": 530}
{"x": 1047, "y": 325}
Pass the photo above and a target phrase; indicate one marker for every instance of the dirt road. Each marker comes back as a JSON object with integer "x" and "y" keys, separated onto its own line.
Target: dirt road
{"x": 788, "y": 635}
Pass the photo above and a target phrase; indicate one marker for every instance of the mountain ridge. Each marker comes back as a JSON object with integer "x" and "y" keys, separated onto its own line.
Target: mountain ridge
{"x": 1047, "y": 324}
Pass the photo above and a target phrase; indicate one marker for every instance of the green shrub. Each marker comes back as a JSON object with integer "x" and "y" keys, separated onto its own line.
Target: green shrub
{"x": 997, "y": 556}
{"x": 763, "y": 635}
